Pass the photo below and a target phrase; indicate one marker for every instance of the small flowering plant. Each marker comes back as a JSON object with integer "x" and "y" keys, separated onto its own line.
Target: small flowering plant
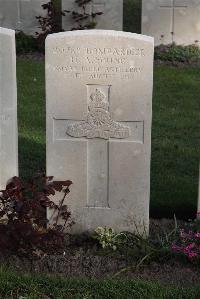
{"x": 188, "y": 240}
{"x": 108, "y": 238}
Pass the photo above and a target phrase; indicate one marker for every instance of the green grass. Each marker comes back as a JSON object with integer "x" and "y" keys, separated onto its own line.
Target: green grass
{"x": 34, "y": 287}
{"x": 175, "y": 134}
{"x": 175, "y": 141}
{"x": 31, "y": 117}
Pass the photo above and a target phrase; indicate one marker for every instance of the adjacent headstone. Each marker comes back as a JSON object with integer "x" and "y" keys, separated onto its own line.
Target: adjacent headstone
{"x": 8, "y": 107}
{"x": 21, "y": 14}
{"x": 112, "y": 17}
{"x": 171, "y": 21}
{"x": 99, "y": 110}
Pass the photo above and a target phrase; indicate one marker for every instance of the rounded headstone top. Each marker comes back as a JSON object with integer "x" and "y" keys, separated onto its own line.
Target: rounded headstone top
{"x": 7, "y": 31}
{"x": 95, "y": 32}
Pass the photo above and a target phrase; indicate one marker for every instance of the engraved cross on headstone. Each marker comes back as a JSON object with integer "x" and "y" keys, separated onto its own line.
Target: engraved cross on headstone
{"x": 99, "y": 129}
{"x": 19, "y": 9}
{"x": 2, "y": 18}
{"x": 172, "y": 7}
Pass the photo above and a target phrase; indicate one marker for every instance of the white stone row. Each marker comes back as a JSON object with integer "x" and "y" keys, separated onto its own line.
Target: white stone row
{"x": 99, "y": 112}
{"x": 98, "y": 123}
{"x": 21, "y": 15}
{"x": 8, "y": 107}
{"x": 171, "y": 21}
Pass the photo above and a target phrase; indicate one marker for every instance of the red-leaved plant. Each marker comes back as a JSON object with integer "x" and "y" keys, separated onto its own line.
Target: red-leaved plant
{"x": 24, "y": 226}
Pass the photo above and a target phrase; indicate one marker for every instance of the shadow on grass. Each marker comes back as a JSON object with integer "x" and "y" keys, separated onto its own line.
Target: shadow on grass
{"x": 32, "y": 157}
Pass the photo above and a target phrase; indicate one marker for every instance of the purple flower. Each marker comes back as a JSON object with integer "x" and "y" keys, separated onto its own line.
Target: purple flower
{"x": 191, "y": 233}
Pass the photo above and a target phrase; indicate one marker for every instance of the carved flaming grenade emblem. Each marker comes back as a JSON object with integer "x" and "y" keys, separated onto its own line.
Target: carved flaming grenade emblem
{"x": 99, "y": 123}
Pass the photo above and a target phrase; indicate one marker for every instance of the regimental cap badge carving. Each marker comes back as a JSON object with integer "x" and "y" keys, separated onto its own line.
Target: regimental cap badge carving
{"x": 98, "y": 100}
{"x": 99, "y": 123}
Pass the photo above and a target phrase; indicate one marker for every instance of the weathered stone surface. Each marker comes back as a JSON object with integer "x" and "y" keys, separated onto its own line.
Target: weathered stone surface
{"x": 112, "y": 17}
{"x": 171, "y": 21}
{"x": 99, "y": 95}
{"x": 20, "y": 14}
{"x": 8, "y": 107}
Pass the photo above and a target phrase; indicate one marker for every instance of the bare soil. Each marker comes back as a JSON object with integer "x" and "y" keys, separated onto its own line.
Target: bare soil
{"x": 82, "y": 258}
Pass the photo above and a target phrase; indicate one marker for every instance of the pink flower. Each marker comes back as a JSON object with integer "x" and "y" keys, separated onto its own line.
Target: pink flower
{"x": 176, "y": 248}
{"x": 198, "y": 214}
{"x": 197, "y": 235}
{"x": 188, "y": 248}
{"x": 192, "y": 254}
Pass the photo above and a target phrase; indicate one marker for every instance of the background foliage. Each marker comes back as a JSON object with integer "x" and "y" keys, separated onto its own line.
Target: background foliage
{"x": 132, "y": 15}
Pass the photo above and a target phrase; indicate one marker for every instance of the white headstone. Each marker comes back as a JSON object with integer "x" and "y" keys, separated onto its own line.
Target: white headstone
{"x": 21, "y": 14}
{"x": 171, "y": 21}
{"x": 99, "y": 101}
{"x": 8, "y": 107}
{"x": 112, "y": 18}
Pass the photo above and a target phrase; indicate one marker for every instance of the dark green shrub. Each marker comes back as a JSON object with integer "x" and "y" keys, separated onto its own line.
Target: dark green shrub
{"x": 177, "y": 53}
{"x": 81, "y": 18}
{"x": 48, "y": 24}
{"x": 132, "y": 15}
{"x": 25, "y": 43}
